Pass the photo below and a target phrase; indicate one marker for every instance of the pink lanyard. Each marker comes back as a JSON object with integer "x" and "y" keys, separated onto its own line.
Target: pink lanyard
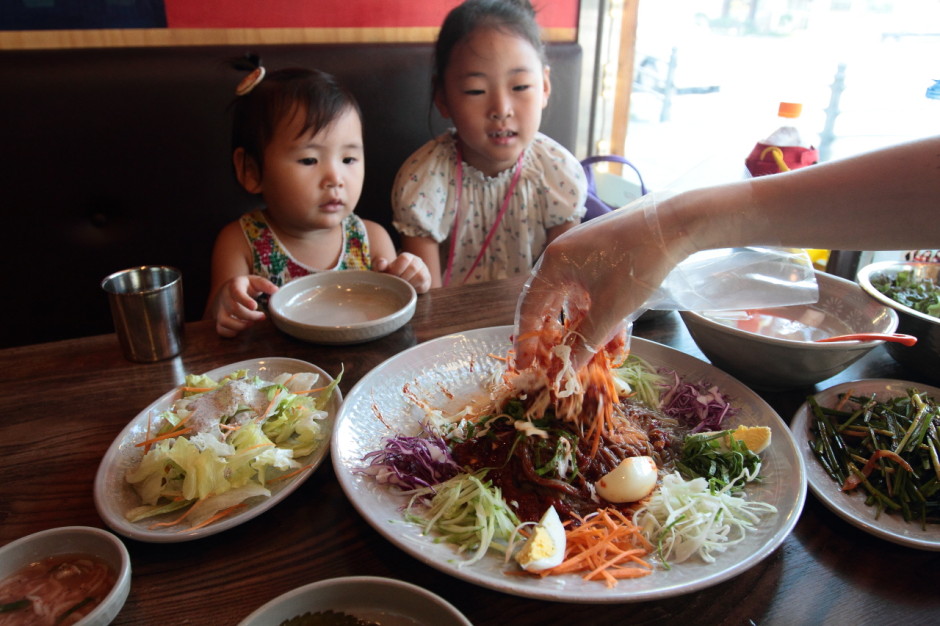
{"x": 499, "y": 217}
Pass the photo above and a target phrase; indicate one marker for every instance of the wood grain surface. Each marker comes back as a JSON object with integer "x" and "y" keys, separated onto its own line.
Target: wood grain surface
{"x": 62, "y": 404}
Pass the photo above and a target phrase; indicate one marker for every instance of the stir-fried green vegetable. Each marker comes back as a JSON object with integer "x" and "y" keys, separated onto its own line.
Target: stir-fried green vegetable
{"x": 889, "y": 448}
{"x": 920, "y": 294}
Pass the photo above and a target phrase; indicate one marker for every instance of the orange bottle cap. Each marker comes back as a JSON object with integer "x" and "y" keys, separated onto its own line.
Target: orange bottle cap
{"x": 789, "y": 109}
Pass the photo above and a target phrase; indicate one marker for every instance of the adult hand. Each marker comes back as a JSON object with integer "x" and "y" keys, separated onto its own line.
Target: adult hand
{"x": 598, "y": 276}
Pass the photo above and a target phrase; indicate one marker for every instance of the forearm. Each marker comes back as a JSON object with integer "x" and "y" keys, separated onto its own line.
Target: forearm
{"x": 883, "y": 200}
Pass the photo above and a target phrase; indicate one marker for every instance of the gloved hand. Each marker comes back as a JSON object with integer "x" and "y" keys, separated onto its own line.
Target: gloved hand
{"x": 598, "y": 276}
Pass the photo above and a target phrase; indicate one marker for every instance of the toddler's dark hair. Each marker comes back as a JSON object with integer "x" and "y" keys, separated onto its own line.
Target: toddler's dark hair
{"x": 281, "y": 92}
{"x": 514, "y": 16}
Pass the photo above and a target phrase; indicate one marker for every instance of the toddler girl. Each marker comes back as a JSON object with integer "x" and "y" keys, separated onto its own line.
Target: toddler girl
{"x": 497, "y": 189}
{"x": 297, "y": 139}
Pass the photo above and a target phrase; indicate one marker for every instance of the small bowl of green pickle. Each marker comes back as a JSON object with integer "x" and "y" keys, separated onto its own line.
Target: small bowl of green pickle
{"x": 913, "y": 291}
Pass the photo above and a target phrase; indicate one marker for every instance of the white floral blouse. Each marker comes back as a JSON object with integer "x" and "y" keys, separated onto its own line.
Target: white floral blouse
{"x": 551, "y": 191}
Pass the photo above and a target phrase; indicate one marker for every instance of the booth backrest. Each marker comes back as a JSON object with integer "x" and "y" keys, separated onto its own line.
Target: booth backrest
{"x": 113, "y": 158}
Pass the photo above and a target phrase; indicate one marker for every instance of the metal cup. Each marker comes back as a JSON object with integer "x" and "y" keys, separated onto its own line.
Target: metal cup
{"x": 147, "y": 306}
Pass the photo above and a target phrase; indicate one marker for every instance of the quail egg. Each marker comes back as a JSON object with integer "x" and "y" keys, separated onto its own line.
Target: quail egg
{"x": 630, "y": 481}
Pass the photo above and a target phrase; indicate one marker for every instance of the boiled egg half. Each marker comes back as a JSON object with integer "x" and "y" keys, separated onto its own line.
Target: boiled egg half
{"x": 630, "y": 481}
{"x": 545, "y": 547}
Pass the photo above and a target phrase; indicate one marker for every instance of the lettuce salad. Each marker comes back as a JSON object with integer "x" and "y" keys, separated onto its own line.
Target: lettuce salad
{"x": 223, "y": 441}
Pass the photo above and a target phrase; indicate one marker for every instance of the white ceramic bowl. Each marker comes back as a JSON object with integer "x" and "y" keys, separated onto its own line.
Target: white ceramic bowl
{"x": 924, "y": 356}
{"x": 775, "y": 348}
{"x": 75, "y": 540}
{"x": 370, "y": 598}
{"x": 343, "y": 306}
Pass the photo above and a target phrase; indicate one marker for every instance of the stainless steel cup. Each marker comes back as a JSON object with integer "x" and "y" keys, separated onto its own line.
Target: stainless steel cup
{"x": 147, "y": 306}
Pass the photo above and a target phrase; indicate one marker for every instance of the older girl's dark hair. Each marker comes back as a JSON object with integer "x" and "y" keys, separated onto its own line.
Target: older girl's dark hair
{"x": 514, "y": 16}
{"x": 256, "y": 114}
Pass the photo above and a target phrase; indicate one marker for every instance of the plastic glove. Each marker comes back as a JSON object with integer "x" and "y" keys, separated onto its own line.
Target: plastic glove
{"x": 598, "y": 276}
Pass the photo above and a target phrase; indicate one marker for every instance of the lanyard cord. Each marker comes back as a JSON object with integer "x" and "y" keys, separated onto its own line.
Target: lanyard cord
{"x": 458, "y": 179}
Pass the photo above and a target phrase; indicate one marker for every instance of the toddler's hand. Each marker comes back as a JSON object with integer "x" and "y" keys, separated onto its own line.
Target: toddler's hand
{"x": 236, "y": 308}
{"x": 408, "y": 266}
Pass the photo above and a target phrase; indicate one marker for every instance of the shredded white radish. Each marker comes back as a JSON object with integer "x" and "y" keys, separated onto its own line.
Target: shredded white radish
{"x": 685, "y": 518}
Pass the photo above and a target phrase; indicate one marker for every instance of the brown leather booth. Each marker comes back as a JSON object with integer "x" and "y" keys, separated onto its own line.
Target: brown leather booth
{"x": 112, "y": 158}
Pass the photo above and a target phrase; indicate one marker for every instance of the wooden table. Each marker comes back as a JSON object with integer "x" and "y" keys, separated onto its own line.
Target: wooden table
{"x": 62, "y": 404}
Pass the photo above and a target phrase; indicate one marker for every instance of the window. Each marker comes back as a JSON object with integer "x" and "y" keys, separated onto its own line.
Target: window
{"x": 708, "y": 76}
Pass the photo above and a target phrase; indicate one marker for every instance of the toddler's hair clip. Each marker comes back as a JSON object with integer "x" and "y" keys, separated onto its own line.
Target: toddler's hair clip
{"x": 250, "y": 82}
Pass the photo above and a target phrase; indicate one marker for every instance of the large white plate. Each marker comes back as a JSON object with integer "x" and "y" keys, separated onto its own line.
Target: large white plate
{"x": 114, "y": 496}
{"x": 851, "y": 506}
{"x": 447, "y": 372}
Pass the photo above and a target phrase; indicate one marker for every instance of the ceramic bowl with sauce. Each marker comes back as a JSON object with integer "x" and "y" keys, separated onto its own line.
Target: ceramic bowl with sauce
{"x": 370, "y": 599}
{"x": 343, "y": 306}
{"x": 81, "y": 549}
{"x": 776, "y": 348}
{"x": 923, "y": 357}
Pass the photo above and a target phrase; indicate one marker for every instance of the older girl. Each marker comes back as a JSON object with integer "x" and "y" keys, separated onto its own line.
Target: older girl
{"x": 494, "y": 190}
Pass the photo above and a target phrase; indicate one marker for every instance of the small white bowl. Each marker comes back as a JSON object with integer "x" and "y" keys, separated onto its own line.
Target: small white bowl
{"x": 370, "y": 598}
{"x": 773, "y": 360}
{"x": 343, "y": 306}
{"x": 75, "y": 540}
{"x": 924, "y": 356}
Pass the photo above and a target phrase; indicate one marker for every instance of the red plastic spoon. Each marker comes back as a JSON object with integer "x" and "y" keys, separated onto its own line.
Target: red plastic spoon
{"x": 907, "y": 340}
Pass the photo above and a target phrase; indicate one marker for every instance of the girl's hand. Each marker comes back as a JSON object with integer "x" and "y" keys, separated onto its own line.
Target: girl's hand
{"x": 236, "y": 308}
{"x": 408, "y": 267}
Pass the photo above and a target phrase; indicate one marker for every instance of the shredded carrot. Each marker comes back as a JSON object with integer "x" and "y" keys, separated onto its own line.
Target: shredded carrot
{"x": 290, "y": 474}
{"x": 529, "y": 335}
{"x": 169, "y": 435}
{"x": 257, "y": 445}
{"x": 271, "y": 405}
{"x": 216, "y": 517}
{"x": 497, "y": 357}
{"x": 843, "y": 399}
{"x": 607, "y": 546}
{"x": 853, "y": 480}
{"x": 198, "y": 389}
{"x": 317, "y": 390}
{"x": 178, "y": 519}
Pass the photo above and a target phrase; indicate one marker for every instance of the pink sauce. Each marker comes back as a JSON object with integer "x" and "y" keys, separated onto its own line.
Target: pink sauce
{"x": 811, "y": 325}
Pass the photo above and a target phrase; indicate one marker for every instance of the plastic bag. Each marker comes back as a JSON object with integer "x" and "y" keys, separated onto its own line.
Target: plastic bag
{"x": 738, "y": 278}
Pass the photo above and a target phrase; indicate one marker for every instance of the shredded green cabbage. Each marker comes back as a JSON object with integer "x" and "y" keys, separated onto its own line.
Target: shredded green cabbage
{"x": 466, "y": 511}
{"x": 642, "y": 379}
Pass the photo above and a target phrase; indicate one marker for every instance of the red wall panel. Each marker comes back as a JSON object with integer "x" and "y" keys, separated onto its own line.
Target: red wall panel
{"x": 338, "y": 13}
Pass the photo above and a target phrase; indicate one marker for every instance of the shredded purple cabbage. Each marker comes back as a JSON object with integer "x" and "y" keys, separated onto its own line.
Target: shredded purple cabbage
{"x": 700, "y": 406}
{"x": 412, "y": 462}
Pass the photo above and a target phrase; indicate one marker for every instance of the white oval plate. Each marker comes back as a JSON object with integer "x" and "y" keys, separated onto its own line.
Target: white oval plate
{"x": 114, "y": 496}
{"x": 851, "y": 506}
{"x": 448, "y": 373}
{"x": 369, "y": 598}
